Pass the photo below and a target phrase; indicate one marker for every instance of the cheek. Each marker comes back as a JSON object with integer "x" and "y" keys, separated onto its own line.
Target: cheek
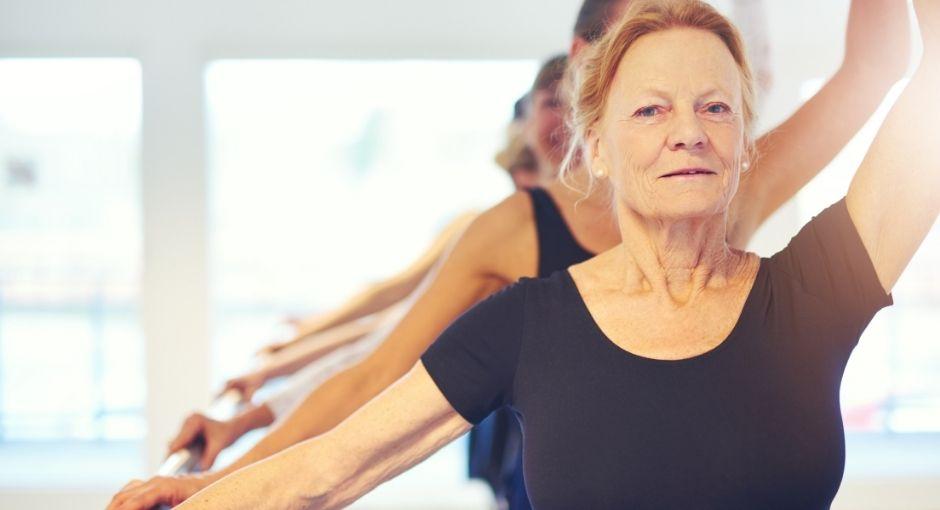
{"x": 635, "y": 148}
{"x": 727, "y": 140}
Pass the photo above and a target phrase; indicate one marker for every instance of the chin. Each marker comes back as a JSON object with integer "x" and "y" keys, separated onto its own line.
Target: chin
{"x": 692, "y": 207}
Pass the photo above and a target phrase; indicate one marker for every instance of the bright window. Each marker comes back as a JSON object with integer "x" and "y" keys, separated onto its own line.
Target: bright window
{"x": 71, "y": 362}
{"x": 326, "y": 175}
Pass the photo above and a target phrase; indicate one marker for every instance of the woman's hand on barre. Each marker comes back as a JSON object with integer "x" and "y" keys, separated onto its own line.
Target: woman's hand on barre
{"x": 214, "y": 435}
{"x": 159, "y": 490}
{"x": 247, "y": 384}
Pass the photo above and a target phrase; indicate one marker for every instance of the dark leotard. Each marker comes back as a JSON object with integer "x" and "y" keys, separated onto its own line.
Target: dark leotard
{"x": 752, "y": 423}
{"x": 496, "y": 443}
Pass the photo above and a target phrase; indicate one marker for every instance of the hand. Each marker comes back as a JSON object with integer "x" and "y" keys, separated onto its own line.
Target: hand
{"x": 246, "y": 384}
{"x": 215, "y": 436}
{"x": 159, "y": 490}
{"x": 271, "y": 348}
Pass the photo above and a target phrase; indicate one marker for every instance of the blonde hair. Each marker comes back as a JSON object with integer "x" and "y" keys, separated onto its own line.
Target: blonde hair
{"x": 590, "y": 82}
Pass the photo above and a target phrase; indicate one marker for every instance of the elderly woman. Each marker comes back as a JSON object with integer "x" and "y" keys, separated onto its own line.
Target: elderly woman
{"x": 671, "y": 371}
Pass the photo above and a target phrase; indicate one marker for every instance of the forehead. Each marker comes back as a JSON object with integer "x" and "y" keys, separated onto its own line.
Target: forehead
{"x": 679, "y": 60}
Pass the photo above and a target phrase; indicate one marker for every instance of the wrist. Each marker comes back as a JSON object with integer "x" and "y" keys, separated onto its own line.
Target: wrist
{"x": 208, "y": 478}
{"x": 253, "y": 417}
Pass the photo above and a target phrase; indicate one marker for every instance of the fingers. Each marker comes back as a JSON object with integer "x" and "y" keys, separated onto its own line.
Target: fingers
{"x": 193, "y": 427}
{"x": 138, "y": 495}
{"x": 214, "y": 445}
{"x": 248, "y": 391}
{"x": 240, "y": 385}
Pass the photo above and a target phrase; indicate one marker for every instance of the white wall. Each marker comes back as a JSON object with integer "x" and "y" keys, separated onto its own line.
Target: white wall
{"x": 174, "y": 39}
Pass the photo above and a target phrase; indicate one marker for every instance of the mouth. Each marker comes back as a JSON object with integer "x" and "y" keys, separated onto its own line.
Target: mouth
{"x": 688, "y": 172}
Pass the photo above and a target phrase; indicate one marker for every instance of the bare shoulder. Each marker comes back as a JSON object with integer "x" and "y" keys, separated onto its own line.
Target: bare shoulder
{"x": 502, "y": 238}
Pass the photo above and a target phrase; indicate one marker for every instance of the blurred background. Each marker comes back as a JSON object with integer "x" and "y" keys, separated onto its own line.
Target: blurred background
{"x": 176, "y": 177}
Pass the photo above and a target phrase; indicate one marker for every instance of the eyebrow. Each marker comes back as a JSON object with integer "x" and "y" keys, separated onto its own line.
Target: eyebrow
{"x": 713, "y": 91}
{"x": 664, "y": 94}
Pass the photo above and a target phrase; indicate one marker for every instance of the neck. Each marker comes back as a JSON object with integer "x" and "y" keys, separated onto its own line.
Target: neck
{"x": 677, "y": 259}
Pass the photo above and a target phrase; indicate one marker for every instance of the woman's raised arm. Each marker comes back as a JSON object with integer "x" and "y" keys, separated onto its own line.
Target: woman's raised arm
{"x": 894, "y": 198}
{"x": 877, "y": 53}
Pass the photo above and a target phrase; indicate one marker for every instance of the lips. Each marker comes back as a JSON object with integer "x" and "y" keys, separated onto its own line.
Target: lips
{"x": 685, "y": 172}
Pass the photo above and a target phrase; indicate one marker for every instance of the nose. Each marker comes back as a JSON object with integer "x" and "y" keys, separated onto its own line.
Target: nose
{"x": 687, "y": 133}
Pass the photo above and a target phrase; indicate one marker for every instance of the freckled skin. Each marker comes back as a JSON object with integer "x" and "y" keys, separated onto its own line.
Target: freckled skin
{"x": 661, "y": 117}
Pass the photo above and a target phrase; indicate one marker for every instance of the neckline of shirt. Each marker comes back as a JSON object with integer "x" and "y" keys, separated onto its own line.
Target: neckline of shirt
{"x": 727, "y": 342}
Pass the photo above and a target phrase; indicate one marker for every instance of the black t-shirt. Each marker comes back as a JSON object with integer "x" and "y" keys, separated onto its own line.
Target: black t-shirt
{"x": 495, "y": 443}
{"x": 753, "y": 423}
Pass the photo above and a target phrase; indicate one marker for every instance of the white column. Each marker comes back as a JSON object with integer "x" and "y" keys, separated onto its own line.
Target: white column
{"x": 175, "y": 300}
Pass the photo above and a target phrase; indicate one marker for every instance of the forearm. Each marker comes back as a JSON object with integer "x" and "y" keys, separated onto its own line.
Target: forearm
{"x": 406, "y": 424}
{"x": 790, "y": 155}
{"x": 323, "y": 409}
{"x": 372, "y": 300}
{"x": 316, "y": 336}
{"x": 893, "y": 199}
{"x": 251, "y": 418}
{"x": 289, "y": 480}
{"x": 844, "y": 104}
{"x": 305, "y": 350}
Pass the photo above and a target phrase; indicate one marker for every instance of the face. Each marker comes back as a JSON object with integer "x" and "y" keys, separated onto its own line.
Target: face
{"x": 545, "y": 128}
{"x": 671, "y": 137}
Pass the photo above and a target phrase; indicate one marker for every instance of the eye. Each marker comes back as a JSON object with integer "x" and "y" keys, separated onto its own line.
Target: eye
{"x": 717, "y": 108}
{"x": 647, "y": 111}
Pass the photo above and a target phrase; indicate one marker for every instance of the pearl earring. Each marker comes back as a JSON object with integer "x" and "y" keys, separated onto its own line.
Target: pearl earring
{"x": 600, "y": 171}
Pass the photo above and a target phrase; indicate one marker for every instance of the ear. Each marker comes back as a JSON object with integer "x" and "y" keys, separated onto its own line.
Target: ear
{"x": 594, "y": 155}
{"x": 592, "y": 147}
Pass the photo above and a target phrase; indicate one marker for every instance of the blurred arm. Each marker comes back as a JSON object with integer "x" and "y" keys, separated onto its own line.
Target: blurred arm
{"x": 877, "y": 55}
{"x": 386, "y": 293}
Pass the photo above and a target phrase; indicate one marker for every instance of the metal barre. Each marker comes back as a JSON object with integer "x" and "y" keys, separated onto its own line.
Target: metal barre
{"x": 183, "y": 461}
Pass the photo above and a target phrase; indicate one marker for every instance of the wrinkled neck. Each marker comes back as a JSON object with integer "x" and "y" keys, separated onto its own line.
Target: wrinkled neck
{"x": 677, "y": 259}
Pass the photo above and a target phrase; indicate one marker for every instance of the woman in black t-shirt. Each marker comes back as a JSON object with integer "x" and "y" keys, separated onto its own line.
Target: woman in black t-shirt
{"x": 671, "y": 371}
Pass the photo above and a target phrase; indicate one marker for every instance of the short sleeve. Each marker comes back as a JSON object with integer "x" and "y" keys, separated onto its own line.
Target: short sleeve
{"x": 474, "y": 360}
{"x": 829, "y": 261}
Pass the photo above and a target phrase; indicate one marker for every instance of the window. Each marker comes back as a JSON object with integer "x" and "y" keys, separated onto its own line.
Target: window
{"x": 71, "y": 353}
{"x": 326, "y": 175}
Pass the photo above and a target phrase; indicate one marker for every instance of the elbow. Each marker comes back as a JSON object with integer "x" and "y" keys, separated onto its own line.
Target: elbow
{"x": 319, "y": 488}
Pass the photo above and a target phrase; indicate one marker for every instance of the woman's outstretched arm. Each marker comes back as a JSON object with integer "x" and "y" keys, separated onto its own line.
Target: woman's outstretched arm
{"x": 401, "y": 427}
{"x": 468, "y": 274}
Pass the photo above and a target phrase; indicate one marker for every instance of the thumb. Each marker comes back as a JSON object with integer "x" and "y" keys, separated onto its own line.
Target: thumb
{"x": 209, "y": 453}
{"x": 191, "y": 430}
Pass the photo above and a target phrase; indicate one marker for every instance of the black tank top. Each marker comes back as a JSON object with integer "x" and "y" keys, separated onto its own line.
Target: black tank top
{"x": 558, "y": 249}
{"x": 496, "y": 443}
